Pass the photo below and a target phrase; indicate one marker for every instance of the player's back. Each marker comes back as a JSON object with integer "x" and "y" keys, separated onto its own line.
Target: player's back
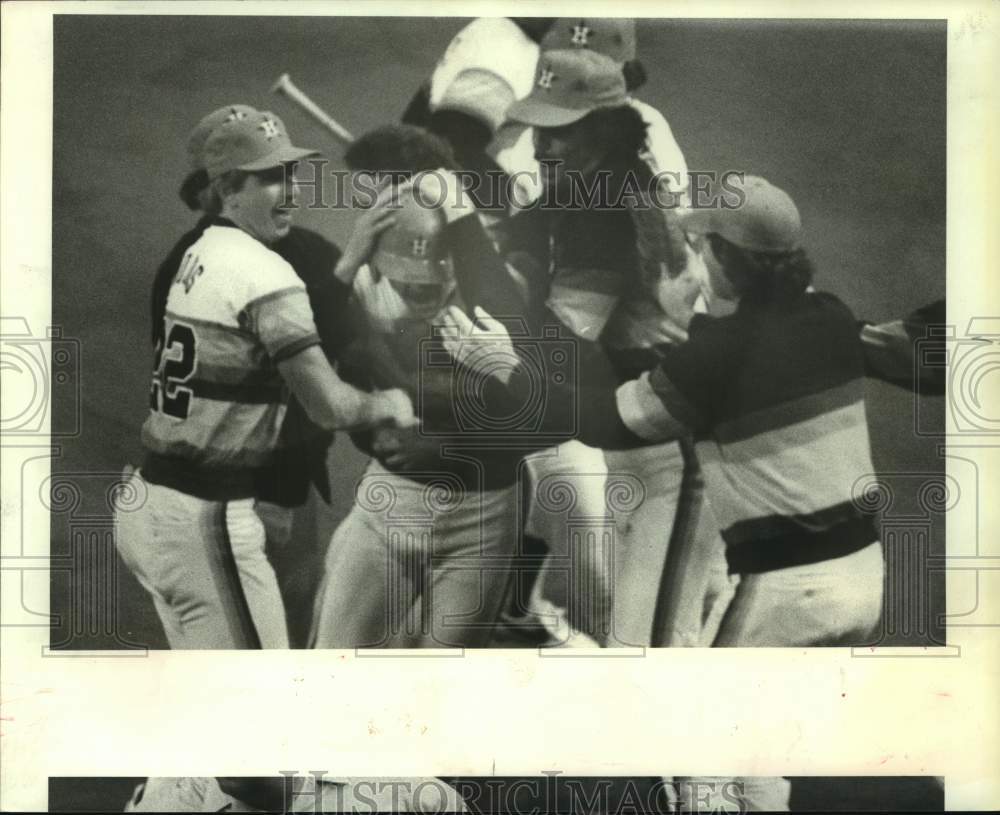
{"x": 788, "y": 440}
{"x": 234, "y": 310}
{"x": 493, "y": 44}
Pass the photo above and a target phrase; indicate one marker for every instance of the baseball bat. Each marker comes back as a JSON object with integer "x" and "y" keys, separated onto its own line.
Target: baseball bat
{"x": 286, "y": 87}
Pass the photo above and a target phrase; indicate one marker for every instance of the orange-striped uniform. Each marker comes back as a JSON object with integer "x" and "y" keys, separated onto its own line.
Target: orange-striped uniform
{"x": 234, "y": 311}
{"x": 775, "y": 394}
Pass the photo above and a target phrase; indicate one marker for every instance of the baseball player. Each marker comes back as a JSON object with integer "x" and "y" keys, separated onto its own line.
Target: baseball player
{"x": 694, "y": 587}
{"x": 775, "y": 395}
{"x": 487, "y": 65}
{"x": 423, "y": 558}
{"x": 597, "y": 284}
{"x": 615, "y": 37}
{"x": 238, "y": 331}
{"x": 637, "y": 322}
{"x": 295, "y": 794}
{"x": 300, "y": 457}
{"x": 394, "y": 153}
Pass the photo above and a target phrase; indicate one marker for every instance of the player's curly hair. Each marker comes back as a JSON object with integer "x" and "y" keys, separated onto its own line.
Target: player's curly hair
{"x": 401, "y": 149}
{"x": 192, "y": 189}
{"x": 620, "y": 130}
{"x": 763, "y": 276}
{"x": 635, "y": 74}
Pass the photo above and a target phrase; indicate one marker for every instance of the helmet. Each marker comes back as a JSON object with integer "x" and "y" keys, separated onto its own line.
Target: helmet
{"x": 412, "y": 250}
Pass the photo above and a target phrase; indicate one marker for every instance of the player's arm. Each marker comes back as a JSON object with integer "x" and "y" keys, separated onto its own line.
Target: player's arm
{"x": 482, "y": 277}
{"x": 652, "y": 408}
{"x": 370, "y": 224}
{"x": 418, "y": 111}
{"x": 890, "y": 350}
{"x": 582, "y": 406}
{"x": 332, "y": 403}
{"x": 682, "y": 392}
{"x": 282, "y": 320}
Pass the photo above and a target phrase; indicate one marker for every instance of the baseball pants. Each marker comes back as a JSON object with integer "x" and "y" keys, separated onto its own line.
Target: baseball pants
{"x": 670, "y": 573}
{"x": 278, "y": 523}
{"x": 653, "y": 477}
{"x": 568, "y": 509}
{"x": 834, "y": 602}
{"x": 203, "y": 563}
{"x": 695, "y": 584}
{"x": 416, "y": 565}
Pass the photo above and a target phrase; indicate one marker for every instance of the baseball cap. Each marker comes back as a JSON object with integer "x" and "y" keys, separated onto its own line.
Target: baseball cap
{"x": 481, "y": 94}
{"x": 412, "y": 249}
{"x": 766, "y": 221}
{"x": 256, "y": 141}
{"x": 197, "y": 178}
{"x": 202, "y": 130}
{"x": 612, "y": 36}
{"x": 568, "y": 86}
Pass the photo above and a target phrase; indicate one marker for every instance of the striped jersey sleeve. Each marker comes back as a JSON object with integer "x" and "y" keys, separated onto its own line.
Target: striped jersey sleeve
{"x": 283, "y": 321}
{"x": 776, "y": 399}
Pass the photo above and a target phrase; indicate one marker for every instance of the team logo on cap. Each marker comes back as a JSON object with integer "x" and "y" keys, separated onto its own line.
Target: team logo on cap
{"x": 545, "y": 79}
{"x": 270, "y": 128}
{"x": 235, "y": 115}
{"x": 419, "y": 247}
{"x": 581, "y": 34}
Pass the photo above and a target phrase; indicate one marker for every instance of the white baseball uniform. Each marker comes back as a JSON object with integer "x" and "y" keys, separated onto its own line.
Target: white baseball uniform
{"x": 234, "y": 311}
{"x": 423, "y": 558}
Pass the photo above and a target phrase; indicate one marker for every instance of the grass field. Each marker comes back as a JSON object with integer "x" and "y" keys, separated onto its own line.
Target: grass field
{"x": 849, "y": 117}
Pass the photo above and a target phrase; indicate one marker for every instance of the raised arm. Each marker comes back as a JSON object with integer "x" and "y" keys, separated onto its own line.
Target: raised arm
{"x": 892, "y": 353}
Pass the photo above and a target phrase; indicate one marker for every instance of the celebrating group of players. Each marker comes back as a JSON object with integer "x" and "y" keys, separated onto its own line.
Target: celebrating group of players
{"x": 597, "y": 369}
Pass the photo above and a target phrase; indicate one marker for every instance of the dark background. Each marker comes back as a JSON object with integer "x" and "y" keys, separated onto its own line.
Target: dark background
{"x": 889, "y": 794}
{"x": 848, "y": 117}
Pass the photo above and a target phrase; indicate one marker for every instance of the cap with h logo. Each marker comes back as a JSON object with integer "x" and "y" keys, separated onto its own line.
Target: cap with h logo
{"x": 202, "y": 130}
{"x": 568, "y": 86}
{"x": 251, "y": 142}
{"x": 612, "y": 36}
{"x": 412, "y": 249}
{"x": 767, "y": 219}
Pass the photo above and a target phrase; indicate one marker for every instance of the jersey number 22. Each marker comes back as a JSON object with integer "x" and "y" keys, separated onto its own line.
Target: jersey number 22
{"x": 168, "y": 393}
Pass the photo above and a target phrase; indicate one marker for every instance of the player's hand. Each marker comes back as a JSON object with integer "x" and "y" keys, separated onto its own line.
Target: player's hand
{"x": 483, "y": 346}
{"x": 371, "y": 223}
{"x": 406, "y": 450}
{"x": 677, "y": 295}
{"x": 393, "y": 408}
